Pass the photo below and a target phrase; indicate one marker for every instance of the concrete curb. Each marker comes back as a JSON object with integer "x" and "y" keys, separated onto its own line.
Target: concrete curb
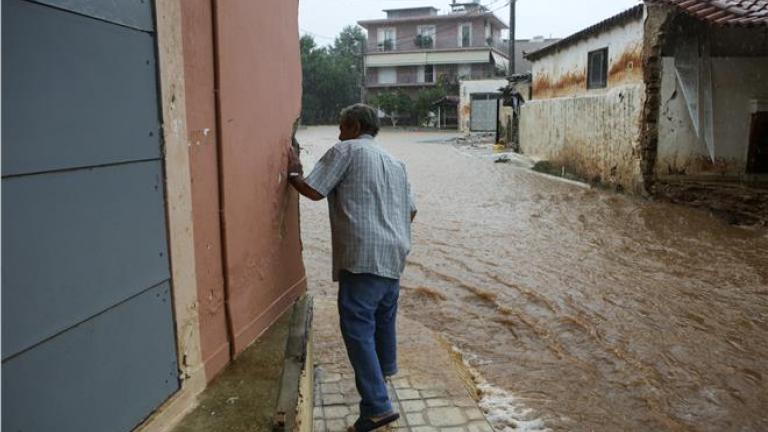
{"x": 294, "y": 401}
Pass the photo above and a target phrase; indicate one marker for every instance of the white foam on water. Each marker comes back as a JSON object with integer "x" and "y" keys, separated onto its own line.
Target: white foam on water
{"x": 503, "y": 410}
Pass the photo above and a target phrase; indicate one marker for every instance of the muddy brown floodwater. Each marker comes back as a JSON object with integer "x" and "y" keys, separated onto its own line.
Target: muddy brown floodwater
{"x": 597, "y": 311}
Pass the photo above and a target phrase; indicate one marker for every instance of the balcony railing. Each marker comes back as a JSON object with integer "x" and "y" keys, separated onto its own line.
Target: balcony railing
{"x": 421, "y": 42}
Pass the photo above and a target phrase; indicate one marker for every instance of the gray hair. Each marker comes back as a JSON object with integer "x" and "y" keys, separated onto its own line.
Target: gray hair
{"x": 363, "y": 114}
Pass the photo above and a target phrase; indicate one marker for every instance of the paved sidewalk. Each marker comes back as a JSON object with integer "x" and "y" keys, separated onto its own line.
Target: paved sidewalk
{"x": 432, "y": 392}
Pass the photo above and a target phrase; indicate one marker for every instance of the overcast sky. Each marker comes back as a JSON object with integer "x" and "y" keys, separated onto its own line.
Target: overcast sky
{"x": 557, "y": 18}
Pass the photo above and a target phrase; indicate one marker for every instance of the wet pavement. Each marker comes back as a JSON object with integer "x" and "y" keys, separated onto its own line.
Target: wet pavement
{"x": 581, "y": 309}
{"x": 428, "y": 391}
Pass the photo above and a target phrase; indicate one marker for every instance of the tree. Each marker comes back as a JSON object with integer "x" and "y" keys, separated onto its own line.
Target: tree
{"x": 422, "y": 105}
{"x": 331, "y": 75}
{"x": 394, "y": 103}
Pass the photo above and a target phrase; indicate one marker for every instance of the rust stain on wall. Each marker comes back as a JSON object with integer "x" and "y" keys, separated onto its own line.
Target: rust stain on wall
{"x": 627, "y": 67}
{"x": 569, "y": 83}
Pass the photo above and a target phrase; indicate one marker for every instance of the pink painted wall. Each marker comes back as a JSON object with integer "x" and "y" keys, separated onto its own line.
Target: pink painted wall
{"x": 197, "y": 33}
{"x": 260, "y": 97}
{"x": 248, "y": 252}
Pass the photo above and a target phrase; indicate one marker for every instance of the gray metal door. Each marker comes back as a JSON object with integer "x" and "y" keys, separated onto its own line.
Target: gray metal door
{"x": 483, "y": 113}
{"x": 87, "y": 324}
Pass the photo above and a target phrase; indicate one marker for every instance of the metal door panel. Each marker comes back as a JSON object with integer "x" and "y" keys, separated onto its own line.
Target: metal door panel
{"x": 483, "y": 115}
{"x": 105, "y": 375}
{"x": 76, "y": 242}
{"x": 80, "y": 91}
{"x": 131, "y": 13}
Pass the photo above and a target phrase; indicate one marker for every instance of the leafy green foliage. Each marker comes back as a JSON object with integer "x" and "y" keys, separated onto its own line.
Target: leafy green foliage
{"x": 395, "y": 103}
{"x": 423, "y": 102}
{"x": 331, "y": 75}
{"x": 423, "y": 41}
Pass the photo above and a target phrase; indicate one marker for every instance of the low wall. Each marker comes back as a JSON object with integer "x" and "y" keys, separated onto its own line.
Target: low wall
{"x": 595, "y": 137}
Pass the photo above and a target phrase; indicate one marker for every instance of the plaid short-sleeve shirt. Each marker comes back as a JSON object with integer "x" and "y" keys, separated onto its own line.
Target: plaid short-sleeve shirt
{"x": 370, "y": 206}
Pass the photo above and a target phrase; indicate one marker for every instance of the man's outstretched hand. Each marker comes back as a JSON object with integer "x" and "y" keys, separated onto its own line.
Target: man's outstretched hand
{"x": 296, "y": 176}
{"x": 295, "y": 168}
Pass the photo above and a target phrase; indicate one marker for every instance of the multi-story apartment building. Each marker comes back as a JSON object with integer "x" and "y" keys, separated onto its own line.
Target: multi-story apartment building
{"x": 413, "y": 48}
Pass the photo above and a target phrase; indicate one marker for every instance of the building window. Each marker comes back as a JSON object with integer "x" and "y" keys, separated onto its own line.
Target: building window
{"x": 597, "y": 71}
{"x": 465, "y": 71}
{"x": 429, "y": 73}
{"x": 426, "y": 36}
{"x": 465, "y": 35}
{"x": 387, "y": 39}
{"x": 387, "y": 75}
{"x": 425, "y": 74}
{"x": 488, "y": 33}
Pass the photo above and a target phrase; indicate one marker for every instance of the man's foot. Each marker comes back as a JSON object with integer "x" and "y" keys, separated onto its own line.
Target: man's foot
{"x": 371, "y": 423}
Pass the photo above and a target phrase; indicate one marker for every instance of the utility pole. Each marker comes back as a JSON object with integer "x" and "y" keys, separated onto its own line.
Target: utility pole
{"x": 512, "y": 18}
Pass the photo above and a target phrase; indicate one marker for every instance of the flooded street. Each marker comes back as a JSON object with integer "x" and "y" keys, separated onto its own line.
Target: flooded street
{"x": 597, "y": 311}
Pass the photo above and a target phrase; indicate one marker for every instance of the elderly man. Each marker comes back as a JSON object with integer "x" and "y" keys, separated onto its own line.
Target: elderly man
{"x": 371, "y": 210}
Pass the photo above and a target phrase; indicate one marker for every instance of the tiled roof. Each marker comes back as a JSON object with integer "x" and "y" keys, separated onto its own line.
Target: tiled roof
{"x": 726, "y": 12}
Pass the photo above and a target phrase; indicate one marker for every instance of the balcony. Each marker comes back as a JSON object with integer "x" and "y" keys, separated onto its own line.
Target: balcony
{"x": 402, "y": 81}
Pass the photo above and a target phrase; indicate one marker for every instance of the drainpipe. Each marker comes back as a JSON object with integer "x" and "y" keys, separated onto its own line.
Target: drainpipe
{"x": 220, "y": 169}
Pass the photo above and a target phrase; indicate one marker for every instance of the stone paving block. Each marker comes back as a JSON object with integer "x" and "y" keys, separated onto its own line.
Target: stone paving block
{"x": 438, "y": 402}
{"x": 330, "y": 388}
{"x": 351, "y": 399}
{"x": 351, "y": 419}
{"x": 453, "y": 429}
{"x": 333, "y": 399}
{"x": 347, "y": 386}
{"x": 317, "y": 412}
{"x": 465, "y": 403}
{"x": 400, "y": 423}
{"x": 415, "y": 419}
{"x": 422, "y": 385}
{"x": 446, "y": 416}
{"x": 407, "y": 394}
{"x": 337, "y": 411}
{"x": 401, "y": 383}
{"x": 424, "y": 429}
{"x": 479, "y": 426}
{"x": 474, "y": 414}
{"x": 429, "y": 394}
{"x": 338, "y": 425}
{"x": 413, "y": 405}
{"x": 318, "y": 426}
{"x": 330, "y": 377}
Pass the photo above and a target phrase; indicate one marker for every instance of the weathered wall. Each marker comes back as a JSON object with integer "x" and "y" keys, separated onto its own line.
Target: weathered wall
{"x": 469, "y": 87}
{"x": 260, "y": 96}
{"x": 595, "y": 137}
{"x": 736, "y": 82}
{"x": 198, "y": 50}
{"x": 564, "y": 73}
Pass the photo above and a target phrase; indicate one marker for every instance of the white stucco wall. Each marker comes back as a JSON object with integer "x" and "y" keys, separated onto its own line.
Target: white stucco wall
{"x": 736, "y": 81}
{"x": 469, "y": 87}
{"x": 594, "y": 136}
{"x": 564, "y": 72}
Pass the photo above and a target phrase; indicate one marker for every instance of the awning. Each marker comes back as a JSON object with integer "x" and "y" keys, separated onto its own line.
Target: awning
{"x": 501, "y": 62}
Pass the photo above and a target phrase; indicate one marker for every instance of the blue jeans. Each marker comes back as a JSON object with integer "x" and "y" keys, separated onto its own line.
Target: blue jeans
{"x": 367, "y": 310}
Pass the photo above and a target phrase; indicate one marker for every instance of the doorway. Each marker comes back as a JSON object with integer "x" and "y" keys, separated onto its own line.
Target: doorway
{"x": 757, "y": 160}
